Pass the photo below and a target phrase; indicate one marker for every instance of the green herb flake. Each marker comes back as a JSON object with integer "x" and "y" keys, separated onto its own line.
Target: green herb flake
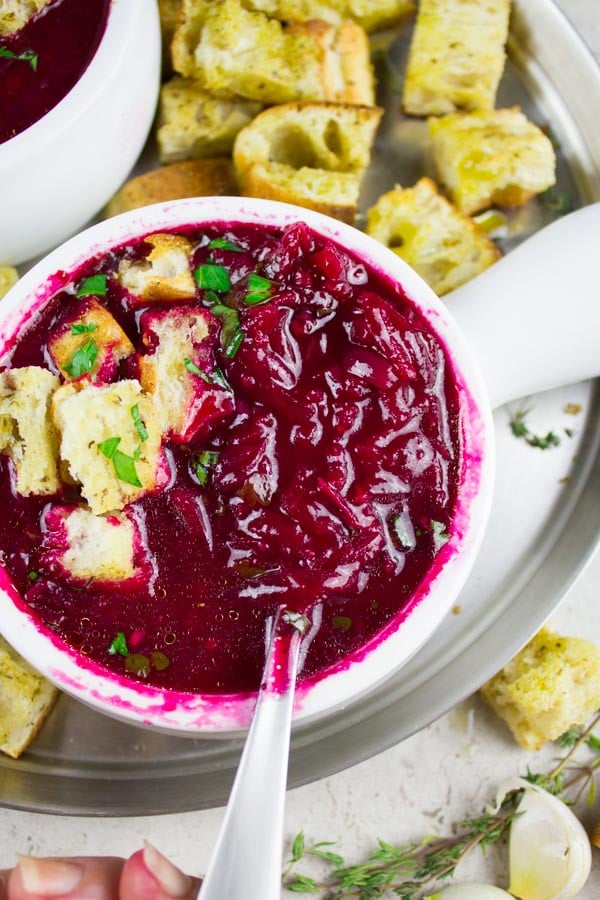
{"x": 231, "y": 333}
{"x": 224, "y": 244}
{"x": 32, "y": 576}
{"x": 211, "y": 277}
{"x": 119, "y": 645}
{"x": 193, "y": 368}
{"x": 139, "y": 425}
{"x": 83, "y": 327}
{"x": 29, "y": 56}
{"x": 519, "y": 428}
{"x": 440, "y": 535}
{"x": 94, "y": 286}
{"x": 259, "y": 290}
{"x": 203, "y": 463}
{"x": 219, "y": 379}
{"x": 558, "y": 201}
{"x": 124, "y": 465}
{"x": 82, "y": 360}
{"x": 342, "y": 623}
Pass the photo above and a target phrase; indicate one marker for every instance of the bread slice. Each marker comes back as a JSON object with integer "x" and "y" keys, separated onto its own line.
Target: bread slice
{"x": 456, "y": 56}
{"x": 8, "y": 278}
{"x": 164, "y": 275}
{"x": 89, "y": 323}
{"x": 26, "y": 699}
{"x": 444, "y": 246}
{"x": 192, "y": 178}
{"x": 103, "y": 445}
{"x": 27, "y": 433}
{"x": 79, "y": 546}
{"x": 311, "y": 154}
{"x": 372, "y": 15}
{"x": 14, "y": 14}
{"x": 551, "y": 685}
{"x": 232, "y": 51}
{"x": 495, "y": 158}
{"x": 194, "y": 124}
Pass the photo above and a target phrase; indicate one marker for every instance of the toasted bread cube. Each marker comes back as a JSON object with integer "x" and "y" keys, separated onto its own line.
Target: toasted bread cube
{"x": 104, "y": 446}
{"x": 8, "y": 277}
{"x": 445, "y": 247}
{"x": 193, "y": 124}
{"x": 14, "y": 14}
{"x": 26, "y": 698}
{"x": 375, "y": 15}
{"x": 372, "y": 15}
{"x": 79, "y": 546}
{"x": 27, "y": 433}
{"x": 161, "y": 276}
{"x": 233, "y": 51}
{"x": 89, "y": 324}
{"x": 551, "y": 685}
{"x": 456, "y": 56}
{"x": 311, "y": 154}
{"x": 187, "y": 404}
{"x": 495, "y": 158}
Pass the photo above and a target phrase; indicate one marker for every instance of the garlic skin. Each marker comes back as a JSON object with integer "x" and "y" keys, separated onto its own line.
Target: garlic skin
{"x": 549, "y": 852}
{"x": 471, "y": 891}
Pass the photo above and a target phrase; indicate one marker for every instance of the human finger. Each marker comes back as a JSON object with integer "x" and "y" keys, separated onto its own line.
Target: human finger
{"x": 148, "y": 875}
{"x": 73, "y": 878}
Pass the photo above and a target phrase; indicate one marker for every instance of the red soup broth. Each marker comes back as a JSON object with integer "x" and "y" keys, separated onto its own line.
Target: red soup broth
{"x": 323, "y": 476}
{"x": 42, "y": 62}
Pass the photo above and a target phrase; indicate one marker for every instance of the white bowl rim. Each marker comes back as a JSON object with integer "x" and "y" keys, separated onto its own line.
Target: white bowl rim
{"x": 227, "y": 715}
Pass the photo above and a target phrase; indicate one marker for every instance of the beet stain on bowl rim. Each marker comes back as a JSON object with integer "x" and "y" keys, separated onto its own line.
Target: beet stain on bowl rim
{"x": 384, "y": 652}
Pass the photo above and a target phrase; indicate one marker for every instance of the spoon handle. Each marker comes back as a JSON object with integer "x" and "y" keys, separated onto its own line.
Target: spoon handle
{"x": 533, "y": 318}
{"x": 246, "y": 863}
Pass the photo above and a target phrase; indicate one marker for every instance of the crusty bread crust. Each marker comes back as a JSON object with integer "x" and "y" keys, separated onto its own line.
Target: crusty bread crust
{"x": 444, "y": 246}
{"x": 164, "y": 274}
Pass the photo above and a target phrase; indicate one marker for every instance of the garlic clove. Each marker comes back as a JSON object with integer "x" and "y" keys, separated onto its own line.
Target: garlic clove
{"x": 471, "y": 891}
{"x": 549, "y": 852}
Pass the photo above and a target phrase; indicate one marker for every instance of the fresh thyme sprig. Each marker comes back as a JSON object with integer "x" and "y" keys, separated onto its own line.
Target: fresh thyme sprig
{"x": 407, "y": 870}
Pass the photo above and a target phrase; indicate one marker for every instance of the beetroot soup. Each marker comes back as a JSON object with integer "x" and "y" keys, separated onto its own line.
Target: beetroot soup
{"x": 40, "y": 63}
{"x": 199, "y": 427}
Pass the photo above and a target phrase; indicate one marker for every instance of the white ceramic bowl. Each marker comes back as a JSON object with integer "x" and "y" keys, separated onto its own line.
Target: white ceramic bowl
{"x": 211, "y": 716}
{"x": 58, "y": 173}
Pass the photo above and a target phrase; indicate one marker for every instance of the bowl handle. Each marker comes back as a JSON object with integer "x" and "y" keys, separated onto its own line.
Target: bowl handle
{"x": 533, "y": 318}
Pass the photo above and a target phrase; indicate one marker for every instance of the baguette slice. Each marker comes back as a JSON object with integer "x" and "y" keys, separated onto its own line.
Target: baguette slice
{"x": 310, "y": 154}
{"x": 495, "y": 158}
{"x": 192, "y": 178}
{"x": 456, "y": 56}
{"x": 445, "y": 247}
{"x": 551, "y": 685}
{"x": 26, "y": 698}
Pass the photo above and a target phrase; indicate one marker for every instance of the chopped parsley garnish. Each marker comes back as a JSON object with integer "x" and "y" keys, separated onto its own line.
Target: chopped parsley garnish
{"x": 32, "y": 575}
{"x": 193, "y": 368}
{"x": 95, "y": 285}
{"x": 139, "y": 425}
{"x": 519, "y": 428}
{"x": 124, "y": 464}
{"x": 119, "y": 645}
{"x": 342, "y": 623}
{"x": 231, "y": 333}
{"x": 203, "y": 463}
{"x": 558, "y": 201}
{"x": 440, "y": 535}
{"x": 224, "y": 244}
{"x": 211, "y": 277}
{"x": 82, "y": 360}
{"x": 259, "y": 289}
{"x": 83, "y": 327}
{"x": 29, "y": 56}
{"x": 219, "y": 378}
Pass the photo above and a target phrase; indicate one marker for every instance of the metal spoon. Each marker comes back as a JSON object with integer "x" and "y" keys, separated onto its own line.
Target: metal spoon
{"x": 246, "y": 863}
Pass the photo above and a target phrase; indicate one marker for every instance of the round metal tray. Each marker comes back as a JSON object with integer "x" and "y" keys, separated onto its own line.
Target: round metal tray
{"x": 545, "y": 520}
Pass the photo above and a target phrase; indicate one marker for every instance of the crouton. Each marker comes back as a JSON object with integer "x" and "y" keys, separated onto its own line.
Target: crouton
{"x": 233, "y": 52}
{"x": 27, "y": 433}
{"x": 495, "y": 158}
{"x": 311, "y": 154}
{"x": 456, "y": 56}
{"x": 8, "y": 277}
{"x": 26, "y": 699}
{"x": 14, "y": 14}
{"x": 551, "y": 685}
{"x": 111, "y": 441}
{"x": 192, "y": 124}
{"x": 372, "y": 15}
{"x": 187, "y": 403}
{"x": 79, "y": 546}
{"x": 89, "y": 342}
{"x": 168, "y": 11}
{"x": 445, "y": 247}
{"x": 375, "y": 15}
{"x": 162, "y": 275}
{"x": 193, "y": 178}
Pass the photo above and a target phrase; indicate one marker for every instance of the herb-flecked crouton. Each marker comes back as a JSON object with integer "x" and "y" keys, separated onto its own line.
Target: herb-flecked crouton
{"x": 14, "y": 14}
{"x": 161, "y": 276}
{"x": 89, "y": 342}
